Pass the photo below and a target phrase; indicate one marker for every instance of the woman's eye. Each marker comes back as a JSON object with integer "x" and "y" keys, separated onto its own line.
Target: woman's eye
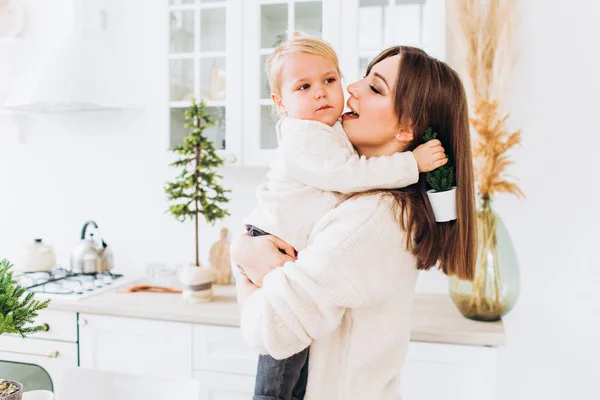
{"x": 330, "y": 80}
{"x": 304, "y": 87}
{"x": 374, "y": 89}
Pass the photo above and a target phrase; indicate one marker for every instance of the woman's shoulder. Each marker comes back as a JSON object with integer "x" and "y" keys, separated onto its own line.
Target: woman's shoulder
{"x": 367, "y": 206}
{"x": 366, "y": 216}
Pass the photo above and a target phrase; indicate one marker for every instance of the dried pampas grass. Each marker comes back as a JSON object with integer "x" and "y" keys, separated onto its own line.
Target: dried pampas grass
{"x": 486, "y": 29}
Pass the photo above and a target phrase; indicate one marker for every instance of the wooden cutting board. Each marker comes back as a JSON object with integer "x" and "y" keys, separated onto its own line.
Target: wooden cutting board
{"x": 147, "y": 289}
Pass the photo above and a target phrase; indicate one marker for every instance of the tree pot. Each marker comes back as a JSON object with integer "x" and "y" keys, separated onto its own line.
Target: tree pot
{"x": 443, "y": 204}
{"x": 197, "y": 282}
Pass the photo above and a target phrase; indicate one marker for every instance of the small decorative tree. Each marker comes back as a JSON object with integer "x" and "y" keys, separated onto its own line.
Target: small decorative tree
{"x": 440, "y": 179}
{"x": 196, "y": 190}
{"x": 17, "y": 314}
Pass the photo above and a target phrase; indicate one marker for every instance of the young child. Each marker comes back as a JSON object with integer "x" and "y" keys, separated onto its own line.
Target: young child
{"x": 315, "y": 163}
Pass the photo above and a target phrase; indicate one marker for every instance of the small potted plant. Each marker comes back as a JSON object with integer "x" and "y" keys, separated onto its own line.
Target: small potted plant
{"x": 196, "y": 191}
{"x": 17, "y": 314}
{"x": 442, "y": 195}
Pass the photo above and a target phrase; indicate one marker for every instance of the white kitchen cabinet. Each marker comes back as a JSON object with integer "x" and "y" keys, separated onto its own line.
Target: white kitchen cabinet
{"x": 49, "y": 353}
{"x": 266, "y": 24}
{"x": 216, "y": 386}
{"x": 205, "y": 62}
{"x": 217, "y": 356}
{"x": 370, "y": 26}
{"x": 222, "y": 349}
{"x": 449, "y": 372}
{"x": 132, "y": 345}
{"x": 218, "y": 51}
{"x": 53, "y": 356}
{"x": 225, "y": 367}
{"x": 58, "y": 325}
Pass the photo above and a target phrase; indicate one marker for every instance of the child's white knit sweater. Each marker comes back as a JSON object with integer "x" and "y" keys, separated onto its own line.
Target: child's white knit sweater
{"x": 348, "y": 296}
{"x": 314, "y": 163}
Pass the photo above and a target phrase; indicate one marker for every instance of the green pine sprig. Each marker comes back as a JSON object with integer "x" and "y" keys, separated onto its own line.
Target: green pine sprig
{"x": 440, "y": 179}
{"x": 17, "y": 312}
{"x": 197, "y": 190}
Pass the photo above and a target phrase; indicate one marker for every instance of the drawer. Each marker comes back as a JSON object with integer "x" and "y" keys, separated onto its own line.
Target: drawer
{"x": 61, "y": 325}
{"x": 55, "y": 357}
{"x": 217, "y": 386}
{"x": 222, "y": 349}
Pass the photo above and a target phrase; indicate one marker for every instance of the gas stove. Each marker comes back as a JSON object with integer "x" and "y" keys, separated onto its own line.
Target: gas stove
{"x": 60, "y": 283}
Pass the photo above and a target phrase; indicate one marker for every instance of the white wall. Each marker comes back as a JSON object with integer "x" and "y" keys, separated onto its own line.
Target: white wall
{"x": 553, "y": 334}
{"x": 60, "y": 171}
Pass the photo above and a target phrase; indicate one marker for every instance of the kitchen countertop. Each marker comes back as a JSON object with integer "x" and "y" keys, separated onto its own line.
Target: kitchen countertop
{"x": 435, "y": 318}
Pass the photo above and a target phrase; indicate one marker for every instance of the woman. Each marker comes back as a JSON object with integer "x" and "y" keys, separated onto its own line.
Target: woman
{"x": 349, "y": 294}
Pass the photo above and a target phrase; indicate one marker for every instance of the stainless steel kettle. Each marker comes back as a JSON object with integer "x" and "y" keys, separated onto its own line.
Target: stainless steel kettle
{"x": 89, "y": 256}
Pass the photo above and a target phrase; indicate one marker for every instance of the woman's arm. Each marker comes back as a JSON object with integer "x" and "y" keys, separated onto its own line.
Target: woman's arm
{"x": 244, "y": 289}
{"x": 347, "y": 265}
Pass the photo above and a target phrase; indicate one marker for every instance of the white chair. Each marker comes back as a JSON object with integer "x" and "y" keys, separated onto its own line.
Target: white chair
{"x": 91, "y": 384}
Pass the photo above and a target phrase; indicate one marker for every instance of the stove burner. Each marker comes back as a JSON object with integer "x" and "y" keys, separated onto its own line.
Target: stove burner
{"x": 63, "y": 282}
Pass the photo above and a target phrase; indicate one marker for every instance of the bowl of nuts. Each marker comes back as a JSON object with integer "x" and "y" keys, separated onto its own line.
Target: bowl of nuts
{"x": 10, "y": 390}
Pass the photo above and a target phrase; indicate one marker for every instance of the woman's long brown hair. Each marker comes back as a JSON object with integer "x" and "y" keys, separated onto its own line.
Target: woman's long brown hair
{"x": 430, "y": 94}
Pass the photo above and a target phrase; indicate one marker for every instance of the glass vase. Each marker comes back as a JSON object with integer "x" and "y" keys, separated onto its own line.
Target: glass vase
{"x": 496, "y": 285}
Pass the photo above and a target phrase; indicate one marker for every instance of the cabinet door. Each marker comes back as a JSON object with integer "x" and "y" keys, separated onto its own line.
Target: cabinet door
{"x": 450, "y": 372}
{"x": 222, "y": 349}
{"x": 216, "y": 386}
{"x": 369, "y": 26}
{"x": 135, "y": 345}
{"x": 205, "y": 62}
{"x": 266, "y": 25}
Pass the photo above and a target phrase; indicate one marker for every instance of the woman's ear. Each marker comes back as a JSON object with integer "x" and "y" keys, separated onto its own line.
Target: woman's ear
{"x": 405, "y": 134}
{"x": 278, "y": 103}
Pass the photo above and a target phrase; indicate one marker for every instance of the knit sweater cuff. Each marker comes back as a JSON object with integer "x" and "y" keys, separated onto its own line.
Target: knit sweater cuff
{"x": 250, "y": 322}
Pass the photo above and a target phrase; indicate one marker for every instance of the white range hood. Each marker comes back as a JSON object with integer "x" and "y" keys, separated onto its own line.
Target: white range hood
{"x": 79, "y": 71}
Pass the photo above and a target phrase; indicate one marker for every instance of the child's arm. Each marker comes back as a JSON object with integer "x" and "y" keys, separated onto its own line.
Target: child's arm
{"x": 318, "y": 156}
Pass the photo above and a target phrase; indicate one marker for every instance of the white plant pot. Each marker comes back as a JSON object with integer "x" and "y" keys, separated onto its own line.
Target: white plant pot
{"x": 197, "y": 282}
{"x": 443, "y": 204}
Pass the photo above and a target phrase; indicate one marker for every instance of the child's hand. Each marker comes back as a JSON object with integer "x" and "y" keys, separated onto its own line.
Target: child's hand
{"x": 430, "y": 156}
{"x": 257, "y": 256}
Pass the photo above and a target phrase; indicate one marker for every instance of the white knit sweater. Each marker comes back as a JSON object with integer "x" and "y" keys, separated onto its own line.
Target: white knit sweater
{"x": 313, "y": 162}
{"x": 348, "y": 296}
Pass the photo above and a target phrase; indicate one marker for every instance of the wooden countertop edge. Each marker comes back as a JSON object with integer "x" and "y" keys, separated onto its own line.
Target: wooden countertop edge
{"x": 435, "y": 318}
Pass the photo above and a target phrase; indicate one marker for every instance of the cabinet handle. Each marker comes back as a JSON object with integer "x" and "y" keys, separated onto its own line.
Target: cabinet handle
{"x": 82, "y": 322}
{"x": 45, "y": 327}
{"x": 53, "y": 354}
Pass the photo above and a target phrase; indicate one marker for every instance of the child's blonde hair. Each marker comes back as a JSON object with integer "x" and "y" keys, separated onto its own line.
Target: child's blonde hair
{"x": 299, "y": 43}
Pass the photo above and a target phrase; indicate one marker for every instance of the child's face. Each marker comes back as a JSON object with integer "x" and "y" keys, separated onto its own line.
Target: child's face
{"x": 311, "y": 89}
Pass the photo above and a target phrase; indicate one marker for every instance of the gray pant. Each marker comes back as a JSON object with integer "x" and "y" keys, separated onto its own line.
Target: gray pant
{"x": 280, "y": 379}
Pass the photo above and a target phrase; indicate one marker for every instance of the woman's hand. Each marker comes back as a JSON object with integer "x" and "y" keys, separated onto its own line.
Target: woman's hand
{"x": 244, "y": 289}
{"x": 257, "y": 256}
